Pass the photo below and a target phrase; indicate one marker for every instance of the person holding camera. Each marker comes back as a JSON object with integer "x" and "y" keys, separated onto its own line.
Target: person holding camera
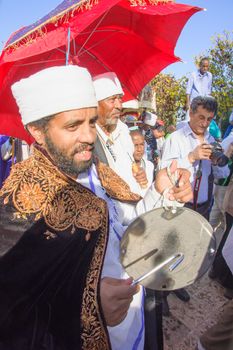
{"x": 196, "y": 150}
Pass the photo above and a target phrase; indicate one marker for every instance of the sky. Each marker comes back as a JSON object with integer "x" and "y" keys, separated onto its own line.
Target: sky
{"x": 195, "y": 38}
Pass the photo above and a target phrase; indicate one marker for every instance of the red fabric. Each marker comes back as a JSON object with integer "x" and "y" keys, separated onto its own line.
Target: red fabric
{"x": 136, "y": 42}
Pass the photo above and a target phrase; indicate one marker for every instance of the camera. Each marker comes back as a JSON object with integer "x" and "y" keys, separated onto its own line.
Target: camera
{"x": 217, "y": 156}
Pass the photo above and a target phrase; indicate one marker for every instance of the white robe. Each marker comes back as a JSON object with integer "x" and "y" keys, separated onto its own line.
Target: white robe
{"x": 123, "y": 149}
{"x": 129, "y": 334}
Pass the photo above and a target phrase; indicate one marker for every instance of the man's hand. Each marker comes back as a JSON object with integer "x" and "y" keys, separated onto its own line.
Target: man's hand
{"x": 182, "y": 192}
{"x": 116, "y": 296}
{"x": 202, "y": 151}
{"x": 140, "y": 177}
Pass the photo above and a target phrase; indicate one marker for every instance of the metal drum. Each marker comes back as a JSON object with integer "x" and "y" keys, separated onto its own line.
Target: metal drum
{"x": 167, "y": 250}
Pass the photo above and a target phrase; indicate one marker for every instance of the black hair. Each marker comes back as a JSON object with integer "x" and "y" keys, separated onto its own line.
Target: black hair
{"x": 42, "y": 123}
{"x": 207, "y": 102}
{"x": 203, "y": 59}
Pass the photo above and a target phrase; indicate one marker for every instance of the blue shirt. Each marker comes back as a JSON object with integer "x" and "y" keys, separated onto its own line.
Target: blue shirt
{"x": 199, "y": 84}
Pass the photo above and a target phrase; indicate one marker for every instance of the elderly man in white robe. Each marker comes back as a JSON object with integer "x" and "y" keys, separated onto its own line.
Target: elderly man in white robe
{"x": 114, "y": 145}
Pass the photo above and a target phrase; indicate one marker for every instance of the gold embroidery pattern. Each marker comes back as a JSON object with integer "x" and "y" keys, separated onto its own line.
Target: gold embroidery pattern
{"x": 114, "y": 185}
{"x": 59, "y": 19}
{"x": 149, "y": 2}
{"x": 93, "y": 332}
{"x": 37, "y": 187}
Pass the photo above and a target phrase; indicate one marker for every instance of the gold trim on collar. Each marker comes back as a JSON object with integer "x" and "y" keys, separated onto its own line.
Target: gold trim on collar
{"x": 36, "y": 187}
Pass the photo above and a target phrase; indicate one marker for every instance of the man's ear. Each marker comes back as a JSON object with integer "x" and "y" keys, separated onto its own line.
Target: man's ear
{"x": 191, "y": 113}
{"x": 37, "y": 134}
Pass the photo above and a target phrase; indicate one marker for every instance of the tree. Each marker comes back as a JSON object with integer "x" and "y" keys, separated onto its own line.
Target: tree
{"x": 221, "y": 66}
{"x": 170, "y": 96}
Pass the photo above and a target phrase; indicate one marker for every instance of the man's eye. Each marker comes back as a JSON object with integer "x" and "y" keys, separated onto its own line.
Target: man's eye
{"x": 93, "y": 124}
{"x": 72, "y": 127}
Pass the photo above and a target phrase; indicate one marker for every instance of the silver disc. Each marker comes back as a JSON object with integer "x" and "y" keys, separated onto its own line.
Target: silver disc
{"x": 159, "y": 234}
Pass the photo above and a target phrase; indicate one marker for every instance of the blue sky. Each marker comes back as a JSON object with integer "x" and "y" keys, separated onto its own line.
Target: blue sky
{"x": 195, "y": 37}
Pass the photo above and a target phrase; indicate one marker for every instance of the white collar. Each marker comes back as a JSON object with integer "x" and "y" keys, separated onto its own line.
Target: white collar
{"x": 188, "y": 131}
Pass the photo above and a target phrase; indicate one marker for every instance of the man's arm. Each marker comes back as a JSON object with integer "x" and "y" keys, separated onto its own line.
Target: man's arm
{"x": 188, "y": 90}
{"x": 153, "y": 197}
{"x": 210, "y": 83}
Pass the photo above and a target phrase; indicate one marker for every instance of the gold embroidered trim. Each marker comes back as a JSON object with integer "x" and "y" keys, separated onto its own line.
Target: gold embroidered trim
{"x": 114, "y": 185}
{"x": 37, "y": 187}
{"x": 62, "y": 18}
{"x": 148, "y": 2}
{"x": 93, "y": 332}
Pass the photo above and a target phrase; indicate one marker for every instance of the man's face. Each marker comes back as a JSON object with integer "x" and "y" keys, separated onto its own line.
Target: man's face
{"x": 138, "y": 141}
{"x": 204, "y": 66}
{"x": 69, "y": 139}
{"x": 109, "y": 110}
{"x": 157, "y": 133}
{"x": 200, "y": 120}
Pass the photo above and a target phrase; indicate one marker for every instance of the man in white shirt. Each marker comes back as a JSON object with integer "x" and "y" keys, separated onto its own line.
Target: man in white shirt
{"x": 191, "y": 147}
{"x": 199, "y": 82}
{"x": 114, "y": 145}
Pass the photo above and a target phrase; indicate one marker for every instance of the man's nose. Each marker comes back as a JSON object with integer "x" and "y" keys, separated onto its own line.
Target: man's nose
{"x": 118, "y": 103}
{"x": 87, "y": 135}
{"x": 206, "y": 123}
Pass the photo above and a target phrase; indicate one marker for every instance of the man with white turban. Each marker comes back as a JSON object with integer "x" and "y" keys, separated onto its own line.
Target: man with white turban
{"x": 62, "y": 286}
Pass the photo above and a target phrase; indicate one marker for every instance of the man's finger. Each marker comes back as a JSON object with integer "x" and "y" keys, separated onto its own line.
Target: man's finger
{"x": 185, "y": 195}
{"x": 173, "y": 166}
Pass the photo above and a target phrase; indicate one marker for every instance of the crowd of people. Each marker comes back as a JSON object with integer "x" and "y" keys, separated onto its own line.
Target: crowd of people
{"x": 91, "y": 171}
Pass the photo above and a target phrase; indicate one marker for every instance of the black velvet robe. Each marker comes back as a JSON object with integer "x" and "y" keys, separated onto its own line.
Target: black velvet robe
{"x": 53, "y": 235}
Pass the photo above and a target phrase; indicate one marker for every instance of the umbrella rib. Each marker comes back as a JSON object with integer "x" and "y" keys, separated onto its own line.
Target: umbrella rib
{"x": 97, "y": 43}
{"x": 105, "y": 67}
{"x": 92, "y": 32}
{"x": 100, "y": 63}
{"x": 105, "y": 31}
{"x": 38, "y": 62}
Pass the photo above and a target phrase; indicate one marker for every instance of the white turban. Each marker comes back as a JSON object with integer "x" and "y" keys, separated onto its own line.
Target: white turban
{"x": 150, "y": 119}
{"x": 106, "y": 85}
{"x": 132, "y": 104}
{"x": 54, "y": 90}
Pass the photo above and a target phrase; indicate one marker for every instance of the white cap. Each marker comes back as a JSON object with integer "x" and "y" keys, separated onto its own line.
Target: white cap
{"x": 150, "y": 119}
{"x": 106, "y": 85}
{"x": 132, "y": 104}
{"x": 54, "y": 90}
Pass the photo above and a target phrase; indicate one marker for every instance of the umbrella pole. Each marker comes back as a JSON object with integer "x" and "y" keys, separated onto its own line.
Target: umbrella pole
{"x": 68, "y": 47}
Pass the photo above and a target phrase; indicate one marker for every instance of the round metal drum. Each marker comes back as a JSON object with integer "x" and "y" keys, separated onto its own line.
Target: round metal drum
{"x": 159, "y": 234}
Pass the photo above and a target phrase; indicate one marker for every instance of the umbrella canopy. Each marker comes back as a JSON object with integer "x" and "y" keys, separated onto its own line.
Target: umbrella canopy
{"x": 134, "y": 38}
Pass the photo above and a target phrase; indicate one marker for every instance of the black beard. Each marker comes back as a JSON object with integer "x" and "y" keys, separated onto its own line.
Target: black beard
{"x": 66, "y": 163}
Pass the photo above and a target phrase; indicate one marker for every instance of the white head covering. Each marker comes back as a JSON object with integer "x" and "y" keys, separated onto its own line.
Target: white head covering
{"x": 132, "y": 104}
{"x": 150, "y": 119}
{"x": 106, "y": 85}
{"x": 54, "y": 90}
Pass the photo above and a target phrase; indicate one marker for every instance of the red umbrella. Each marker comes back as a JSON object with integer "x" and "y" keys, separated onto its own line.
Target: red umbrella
{"x": 134, "y": 38}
